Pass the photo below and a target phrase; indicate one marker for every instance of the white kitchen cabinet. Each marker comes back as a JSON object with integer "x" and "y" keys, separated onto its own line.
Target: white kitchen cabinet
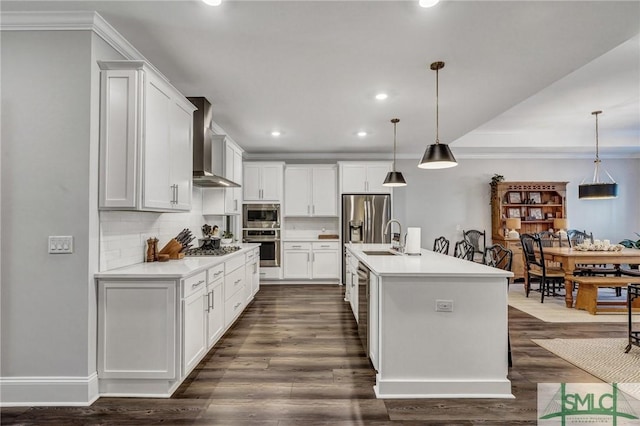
{"x": 352, "y": 283}
{"x": 252, "y": 282}
{"x": 120, "y": 352}
{"x": 325, "y": 260}
{"x": 225, "y": 201}
{"x": 364, "y": 177}
{"x": 234, "y": 286}
{"x": 215, "y": 304}
{"x": 311, "y": 260}
{"x": 194, "y": 323}
{"x": 296, "y": 260}
{"x": 311, "y": 190}
{"x": 263, "y": 181}
{"x": 146, "y": 139}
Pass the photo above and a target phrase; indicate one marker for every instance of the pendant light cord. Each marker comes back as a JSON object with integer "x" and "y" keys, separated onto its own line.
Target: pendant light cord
{"x": 437, "y": 111}
{"x": 394, "y": 147}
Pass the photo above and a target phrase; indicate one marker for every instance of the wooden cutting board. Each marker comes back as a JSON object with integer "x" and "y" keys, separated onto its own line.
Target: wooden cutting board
{"x": 328, "y": 236}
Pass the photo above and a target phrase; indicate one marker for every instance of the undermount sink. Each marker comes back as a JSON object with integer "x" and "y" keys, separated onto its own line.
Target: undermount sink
{"x": 379, "y": 253}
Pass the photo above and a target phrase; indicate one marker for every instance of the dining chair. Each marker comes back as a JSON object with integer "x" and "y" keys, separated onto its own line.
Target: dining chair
{"x": 498, "y": 256}
{"x": 479, "y": 242}
{"x": 549, "y": 278}
{"x": 441, "y": 245}
{"x": 578, "y": 237}
{"x": 463, "y": 250}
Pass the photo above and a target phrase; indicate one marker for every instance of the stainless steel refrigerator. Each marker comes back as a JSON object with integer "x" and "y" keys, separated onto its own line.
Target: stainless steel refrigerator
{"x": 363, "y": 220}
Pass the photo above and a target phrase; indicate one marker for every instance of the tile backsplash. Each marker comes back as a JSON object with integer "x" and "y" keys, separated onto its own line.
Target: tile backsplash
{"x": 124, "y": 234}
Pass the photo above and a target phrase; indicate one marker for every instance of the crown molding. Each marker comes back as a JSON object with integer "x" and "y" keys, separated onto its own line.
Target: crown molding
{"x": 73, "y": 21}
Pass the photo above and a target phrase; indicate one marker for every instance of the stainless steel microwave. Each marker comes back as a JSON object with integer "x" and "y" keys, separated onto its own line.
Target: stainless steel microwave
{"x": 261, "y": 216}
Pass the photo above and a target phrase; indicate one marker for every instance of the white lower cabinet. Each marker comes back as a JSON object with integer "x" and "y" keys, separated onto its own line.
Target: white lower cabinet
{"x": 296, "y": 260}
{"x": 234, "y": 282}
{"x": 153, "y": 332}
{"x": 215, "y": 304}
{"x": 311, "y": 260}
{"x": 194, "y": 321}
{"x": 351, "y": 290}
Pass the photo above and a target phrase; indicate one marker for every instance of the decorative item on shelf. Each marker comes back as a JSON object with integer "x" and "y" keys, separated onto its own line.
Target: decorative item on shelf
{"x": 495, "y": 179}
{"x": 535, "y": 198}
{"x": 561, "y": 226}
{"x": 394, "y": 178}
{"x": 535, "y": 213}
{"x": 227, "y": 237}
{"x": 437, "y": 155}
{"x": 514, "y": 212}
{"x": 597, "y": 190}
{"x": 513, "y": 224}
{"x": 514, "y": 198}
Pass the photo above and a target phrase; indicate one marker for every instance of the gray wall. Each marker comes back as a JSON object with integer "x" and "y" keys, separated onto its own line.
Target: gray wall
{"x": 49, "y": 184}
{"x": 442, "y": 202}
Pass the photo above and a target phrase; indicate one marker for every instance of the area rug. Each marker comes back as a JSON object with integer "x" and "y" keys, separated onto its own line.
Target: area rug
{"x": 603, "y": 358}
{"x": 554, "y": 310}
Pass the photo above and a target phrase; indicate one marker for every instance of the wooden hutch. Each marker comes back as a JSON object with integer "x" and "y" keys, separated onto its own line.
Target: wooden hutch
{"x": 537, "y": 204}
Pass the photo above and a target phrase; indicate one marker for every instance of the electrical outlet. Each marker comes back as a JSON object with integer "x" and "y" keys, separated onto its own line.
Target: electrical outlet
{"x": 60, "y": 244}
{"x": 444, "y": 305}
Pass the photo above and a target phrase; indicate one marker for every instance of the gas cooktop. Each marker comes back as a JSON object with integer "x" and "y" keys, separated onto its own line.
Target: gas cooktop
{"x": 199, "y": 251}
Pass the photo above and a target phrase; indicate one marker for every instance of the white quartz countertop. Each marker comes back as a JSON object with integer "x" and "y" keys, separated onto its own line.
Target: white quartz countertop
{"x": 174, "y": 269}
{"x": 428, "y": 263}
{"x": 311, "y": 239}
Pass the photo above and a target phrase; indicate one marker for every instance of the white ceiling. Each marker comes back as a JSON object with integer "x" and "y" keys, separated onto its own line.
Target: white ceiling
{"x": 521, "y": 77}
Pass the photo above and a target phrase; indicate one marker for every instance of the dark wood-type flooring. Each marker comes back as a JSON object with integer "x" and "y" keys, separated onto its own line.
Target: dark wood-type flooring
{"x": 294, "y": 358}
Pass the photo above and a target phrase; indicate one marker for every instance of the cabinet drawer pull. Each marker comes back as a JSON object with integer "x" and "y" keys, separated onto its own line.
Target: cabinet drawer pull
{"x": 217, "y": 273}
{"x": 325, "y": 245}
{"x": 237, "y": 281}
{"x": 236, "y": 305}
{"x": 197, "y": 284}
{"x": 296, "y": 246}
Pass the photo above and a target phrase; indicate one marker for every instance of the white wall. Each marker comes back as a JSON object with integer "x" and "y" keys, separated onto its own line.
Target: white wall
{"x": 440, "y": 201}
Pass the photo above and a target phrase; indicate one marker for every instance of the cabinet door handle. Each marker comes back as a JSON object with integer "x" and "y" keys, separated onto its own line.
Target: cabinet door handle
{"x": 325, "y": 246}
{"x": 296, "y": 246}
{"x": 217, "y": 273}
{"x": 308, "y": 209}
{"x": 235, "y": 208}
{"x": 313, "y": 209}
{"x": 313, "y": 257}
{"x": 197, "y": 284}
{"x": 177, "y": 193}
{"x": 260, "y": 194}
{"x": 236, "y": 305}
{"x": 237, "y": 281}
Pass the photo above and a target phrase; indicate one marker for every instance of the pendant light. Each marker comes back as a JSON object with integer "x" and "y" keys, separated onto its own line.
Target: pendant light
{"x": 598, "y": 190}
{"x": 394, "y": 178}
{"x": 437, "y": 155}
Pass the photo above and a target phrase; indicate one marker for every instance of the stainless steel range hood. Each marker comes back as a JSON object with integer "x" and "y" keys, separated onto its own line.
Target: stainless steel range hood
{"x": 204, "y": 174}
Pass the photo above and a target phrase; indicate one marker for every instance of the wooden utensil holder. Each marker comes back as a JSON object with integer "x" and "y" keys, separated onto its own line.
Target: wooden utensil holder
{"x": 172, "y": 248}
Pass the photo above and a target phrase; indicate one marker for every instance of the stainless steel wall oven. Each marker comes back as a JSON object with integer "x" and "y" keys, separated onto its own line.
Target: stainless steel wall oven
{"x": 269, "y": 240}
{"x": 261, "y": 216}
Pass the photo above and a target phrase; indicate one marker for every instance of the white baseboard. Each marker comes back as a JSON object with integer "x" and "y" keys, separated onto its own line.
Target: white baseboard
{"x": 48, "y": 391}
{"x": 410, "y": 389}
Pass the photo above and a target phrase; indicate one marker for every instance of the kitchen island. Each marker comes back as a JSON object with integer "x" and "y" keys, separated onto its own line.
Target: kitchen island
{"x": 157, "y": 320}
{"x": 437, "y": 325}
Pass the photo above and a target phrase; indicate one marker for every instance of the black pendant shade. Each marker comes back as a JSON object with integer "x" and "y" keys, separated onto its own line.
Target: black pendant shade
{"x": 394, "y": 179}
{"x": 437, "y": 156}
{"x": 597, "y": 191}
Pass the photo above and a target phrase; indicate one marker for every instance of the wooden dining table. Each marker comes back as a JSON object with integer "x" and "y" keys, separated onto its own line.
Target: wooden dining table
{"x": 570, "y": 257}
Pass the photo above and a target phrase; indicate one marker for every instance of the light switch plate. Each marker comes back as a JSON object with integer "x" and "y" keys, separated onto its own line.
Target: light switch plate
{"x": 60, "y": 244}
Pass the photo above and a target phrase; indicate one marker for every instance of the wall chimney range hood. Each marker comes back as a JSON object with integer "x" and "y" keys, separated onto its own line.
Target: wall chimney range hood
{"x": 207, "y": 159}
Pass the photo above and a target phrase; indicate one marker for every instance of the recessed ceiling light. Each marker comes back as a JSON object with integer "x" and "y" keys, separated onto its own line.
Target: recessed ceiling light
{"x": 362, "y": 133}
{"x": 381, "y": 96}
{"x": 428, "y": 3}
{"x": 275, "y": 133}
{"x": 213, "y": 2}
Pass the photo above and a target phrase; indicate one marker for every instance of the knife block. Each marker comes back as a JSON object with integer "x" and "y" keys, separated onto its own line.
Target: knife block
{"x": 172, "y": 248}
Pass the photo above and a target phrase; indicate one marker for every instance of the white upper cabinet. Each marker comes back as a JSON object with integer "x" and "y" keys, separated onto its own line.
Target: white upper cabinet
{"x": 364, "y": 177}
{"x": 263, "y": 181}
{"x": 311, "y": 190}
{"x": 146, "y": 140}
{"x": 225, "y": 201}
